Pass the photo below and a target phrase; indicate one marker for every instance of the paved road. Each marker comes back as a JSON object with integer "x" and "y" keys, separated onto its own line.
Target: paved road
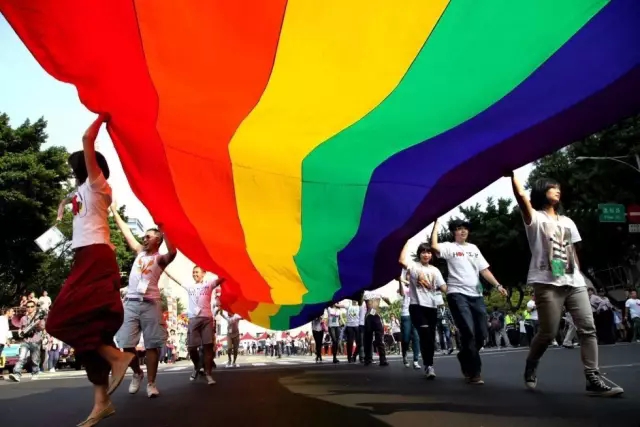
{"x": 310, "y": 395}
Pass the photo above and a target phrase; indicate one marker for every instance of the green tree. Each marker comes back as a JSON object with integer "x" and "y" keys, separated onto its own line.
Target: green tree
{"x": 395, "y": 308}
{"x": 180, "y": 306}
{"x": 32, "y": 182}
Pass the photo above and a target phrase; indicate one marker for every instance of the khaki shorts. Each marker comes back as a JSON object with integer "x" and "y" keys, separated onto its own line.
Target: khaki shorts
{"x": 142, "y": 317}
{"x": 200, "y": 331}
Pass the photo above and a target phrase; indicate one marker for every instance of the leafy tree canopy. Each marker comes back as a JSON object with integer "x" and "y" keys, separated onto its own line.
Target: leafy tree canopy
{"x": 33, "y": 180}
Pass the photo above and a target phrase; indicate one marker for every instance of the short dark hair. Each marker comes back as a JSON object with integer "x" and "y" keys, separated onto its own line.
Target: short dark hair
{"x": 423, "y": 247}
{"x": 456, "y": 223}
{"x": 159, "y": 233}
{"x": 79, "y": 167}
{"x": 539, "y": 192}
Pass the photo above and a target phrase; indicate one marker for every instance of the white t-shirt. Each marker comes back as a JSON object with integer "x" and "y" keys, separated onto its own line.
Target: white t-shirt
{"x": 465, "y": 262}
{"x": 4, "y": 330}
{"x": 199, "y": 302}
{"x": 144, "y": 276}
{"x": 90, "y": 208}
{"x": 395, "y": 326}
{"x": 45, "y": 302}
{"x": 552, "y": 240}
{"x": 634, "y": 307}
{"x": 316, "y": 324}
{"x": 418, "y": 294}
{"x": 334, "y": 317}
{"x": 233, "y": 323}
{"x": 353, "y": 316}
{"x": 406, "y": 300}
{"x": 534, "y": 311}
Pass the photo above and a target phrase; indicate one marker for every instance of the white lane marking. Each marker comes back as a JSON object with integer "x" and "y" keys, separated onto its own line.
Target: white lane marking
{"x": 258, "y": 364}
{"x": 177, "y": 368}
{"x": 629, "y": 365}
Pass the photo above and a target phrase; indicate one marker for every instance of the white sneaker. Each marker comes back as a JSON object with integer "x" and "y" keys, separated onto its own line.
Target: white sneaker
{"x": 236, "y": 365}
{"x": 228, "y": 365}
{"x": 52, "y": 370}
{"x": 136, "y": 380}
{"x": 210, "y": 380}
{"x": 430, "y": 372}
{"x": 416, "y": 365}
{"x": 152, "y": 390}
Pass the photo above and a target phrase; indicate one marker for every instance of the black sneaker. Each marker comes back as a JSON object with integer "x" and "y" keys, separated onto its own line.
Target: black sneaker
{"x": 530, "y": 377}
{"x": 597, "y": 387}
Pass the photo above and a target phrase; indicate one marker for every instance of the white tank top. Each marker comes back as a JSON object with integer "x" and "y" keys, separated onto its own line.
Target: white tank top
{"x": 144, "y": 276}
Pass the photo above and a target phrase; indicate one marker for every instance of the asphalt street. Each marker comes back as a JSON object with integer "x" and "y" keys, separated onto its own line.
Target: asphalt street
{"x": 312, "y": 395}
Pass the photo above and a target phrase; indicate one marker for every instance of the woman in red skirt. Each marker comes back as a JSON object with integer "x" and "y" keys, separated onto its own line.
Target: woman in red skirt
{"x": 88, "y": 312}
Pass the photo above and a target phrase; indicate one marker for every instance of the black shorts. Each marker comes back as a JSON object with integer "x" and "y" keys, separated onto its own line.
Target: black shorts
{"x": 421, "y": 316}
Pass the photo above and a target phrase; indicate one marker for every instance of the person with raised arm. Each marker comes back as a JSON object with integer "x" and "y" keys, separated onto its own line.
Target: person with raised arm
{"x": 142, "y": 303}
{"x": 424, "y": 282}
{"x": 373, "y": 328}
{"x": 464, "y": 294}
{"x": 201, "y": 312}
{"x": 554, "y": 273}
{"x": 87, "y": 312}
{"x": 233, "y": 336}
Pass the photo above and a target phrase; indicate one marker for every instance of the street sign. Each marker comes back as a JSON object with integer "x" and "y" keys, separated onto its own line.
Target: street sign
{"x": 612, "y": 212}
{"x": 634, "y": 228}
{"x": 633, "y": 213}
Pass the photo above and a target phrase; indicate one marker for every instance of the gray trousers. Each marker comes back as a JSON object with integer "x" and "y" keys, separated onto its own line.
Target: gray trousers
{"x": 549, "y": 300}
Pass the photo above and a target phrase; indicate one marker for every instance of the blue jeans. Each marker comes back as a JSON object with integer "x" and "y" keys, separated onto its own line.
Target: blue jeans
{"x": 409, "y": 333}
{"x": 470, "y": 317}
{"x": 34, "y": 350}
{"x": 444, "y": 333}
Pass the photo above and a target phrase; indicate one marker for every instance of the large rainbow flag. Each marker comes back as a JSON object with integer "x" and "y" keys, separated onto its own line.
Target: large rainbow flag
{"x": 293, "y": 146}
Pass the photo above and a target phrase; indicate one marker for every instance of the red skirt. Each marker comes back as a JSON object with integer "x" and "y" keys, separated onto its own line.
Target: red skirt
{"x": 88, "y": 311}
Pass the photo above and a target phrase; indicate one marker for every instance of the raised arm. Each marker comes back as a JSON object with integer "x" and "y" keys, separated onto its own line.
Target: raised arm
{"x": 165, "y": 259}
{"x": 523, "y": 201}
{"x": 434, "y": 237}
{"x": 88, "y": 145}
{"x": 126, "y": 231}
{"x": 174, "y": 279}
{"x": 404, "y": 255}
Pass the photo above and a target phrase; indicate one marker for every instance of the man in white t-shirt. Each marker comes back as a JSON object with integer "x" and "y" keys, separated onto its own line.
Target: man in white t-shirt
{"x": 373, "y": 328}
{"x": 360, "y": 337}
{"x": 632, "y": 311}
{"x": 5, "y": 332}
{"x": 464, "y": 294}
{"x": 351, "y": 330}
{"x": 44, "y": 301}
{"x": 201, "y": 309}
{"x": 142, "y": 304}
{"x": 233, "y": 337}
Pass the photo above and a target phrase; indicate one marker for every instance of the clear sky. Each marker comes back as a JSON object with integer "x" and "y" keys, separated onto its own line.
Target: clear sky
{"x": 28, "y": 92}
